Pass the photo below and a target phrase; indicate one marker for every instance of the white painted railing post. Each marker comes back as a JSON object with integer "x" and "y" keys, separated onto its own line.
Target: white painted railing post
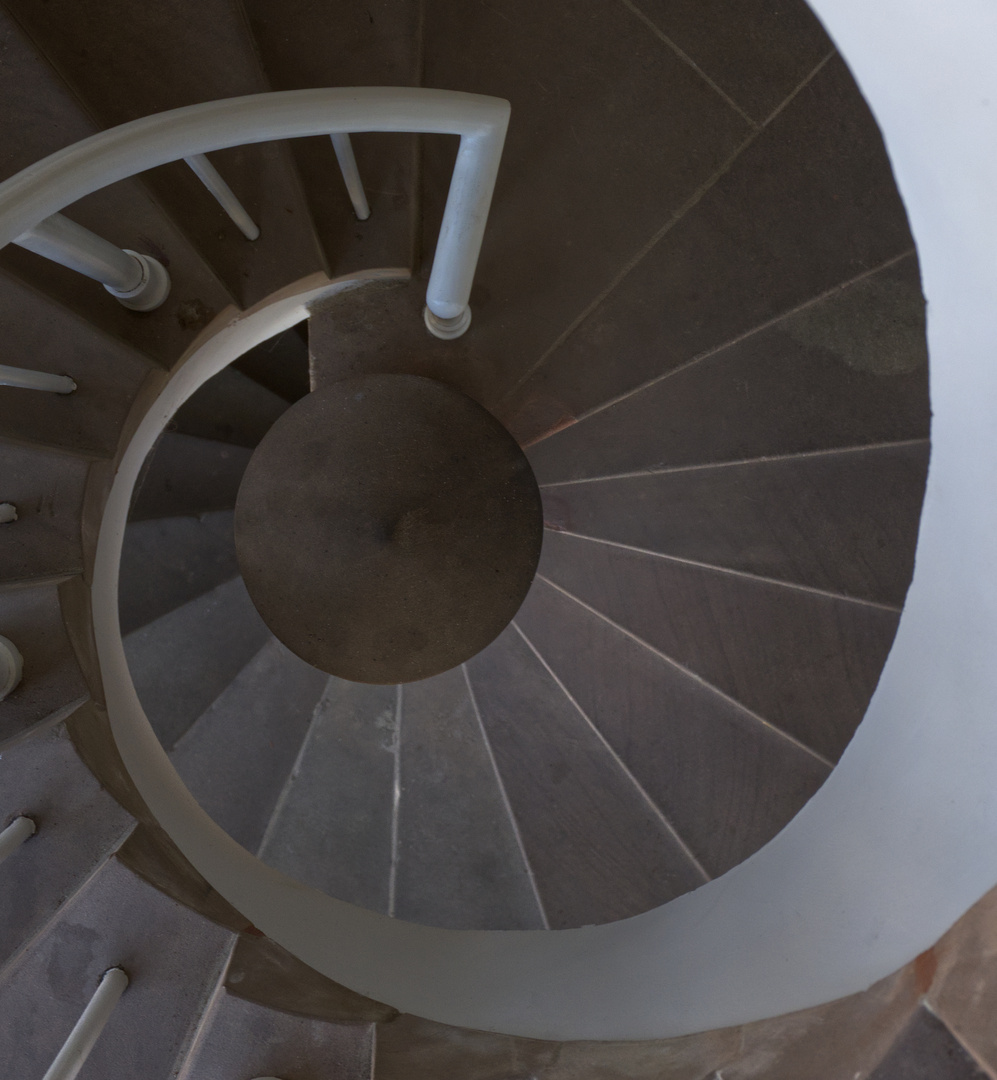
{"x": 447, "y": 313}
{"x": 35, "y": 380}
{"x": 225, "y": 196}
{"x": 14, "y": 835}
{"x": 76, "y": 1049}
{"x": 137, "y": 281}
{"x": 351, "y": 174}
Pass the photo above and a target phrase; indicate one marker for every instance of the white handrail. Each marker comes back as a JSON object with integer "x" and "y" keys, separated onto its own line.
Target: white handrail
{"x": 14, "y": 835}
{"x": 28, "y": 379}
{"x": 76, "y": 1049}
{"x": 50, "y": 185}
{"x": 225, "y": 196}
{"x": 137, "y": 281}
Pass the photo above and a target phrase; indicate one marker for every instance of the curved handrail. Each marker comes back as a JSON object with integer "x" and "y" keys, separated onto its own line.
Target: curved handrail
{"x": 55, "y": 182}
{"x": 899, "y": 841}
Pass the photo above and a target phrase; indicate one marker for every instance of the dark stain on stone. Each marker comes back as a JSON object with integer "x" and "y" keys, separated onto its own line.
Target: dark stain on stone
{"x": 875, "y": 325}
{"x": 194, "y": 315}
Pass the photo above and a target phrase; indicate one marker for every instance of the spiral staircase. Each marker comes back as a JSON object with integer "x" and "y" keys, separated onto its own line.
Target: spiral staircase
{"x": 698, "y": 308}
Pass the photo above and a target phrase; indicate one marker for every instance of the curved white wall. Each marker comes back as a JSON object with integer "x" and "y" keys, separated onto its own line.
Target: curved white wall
{"x": 903, "y": 836}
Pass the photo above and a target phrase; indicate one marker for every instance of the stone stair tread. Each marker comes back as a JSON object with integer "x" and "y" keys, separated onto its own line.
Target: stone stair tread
{"x": 42, "y": 335}
{"x": 78, "y": 824}
{"x": 349, "y": 45}
{"x": 927, "y": 1050}
{"x": 333, "y": 827}
{"x": 459, "y": 863}
{"x": 186, "y": 474}
{"x": 726, "y": 781}
{"x": 230, "y": 407}
{"x": 168, "y": 60}
{"x": 30, "y": 617}
{"x": 280, "y": 363}
{"x": 568, "y": 217}
{"x": 757, "y": 51}
{"x": 183, "y": 660}
{"x": 742, "y": 255}
{"x": 845, "y": 523}
{"x": 236, "y": 757}
{"x": 46, "y": 486}
{"x": 245, "y": 1040}
{"x": 44, "y": 116}
{"x": 849, "y": 370}
{"x": 166, "y": 562}
{"x": 598, "y": 851}
{"x": 115, "y": 920}
{"x": 805, "y": 662}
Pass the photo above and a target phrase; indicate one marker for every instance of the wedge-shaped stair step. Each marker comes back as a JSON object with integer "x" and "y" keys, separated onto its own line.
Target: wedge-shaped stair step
{"x": 166, "y": 562}
{"x": 598, "y": 848}
{"x": 364, "y": 46}
{"x": 231, "y": 408}
{"x": 555, "y": 198}
{"x": 459, "y": 862}
{"x": 842, "y": 521}
{"x": 280, "y": 363}
{"x": 168, "y": 60}
{"x": 242, "y": 1040}
{"x": 850, "y": 370}
{"x": 237, "y": 756}
{"x": 806, "y": 662}
{"x": 46, "y": 488}
{"x": 725, "y": 779}
{"x": 928, "y": 1050}
{"x": 172, "y": 958}
{"x": 744, "y": 252}
{"x": 78, "y": 826}
{"x": 181, "y": 662}
{"x": 42, "y": 335}
{"x": 31, "y": 618}
{"x": 333, "y": 826}
{"x": 42, "y": 115}
{"x": 189, "y": 475}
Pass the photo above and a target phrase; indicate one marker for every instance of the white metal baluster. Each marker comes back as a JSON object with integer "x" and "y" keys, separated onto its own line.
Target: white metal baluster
{"x": 14, "y": 835}
{"x": 35, "y": 380}
{"x": 77, "y": 1047}
{"x": 351, "y": 174}
{"x": 212, "y": 180}
{"x": 137, "y": 281}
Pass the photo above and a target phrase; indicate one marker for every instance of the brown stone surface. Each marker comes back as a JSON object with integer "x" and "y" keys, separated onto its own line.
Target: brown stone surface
{"x": 152, "y": 855}
{"x": 839, "y": 1041}
{"x": 263, "y": 972}
{"x": 964, "y": 988}
{"x": 411, "y": 1048}
{"x": 90, "y": 729}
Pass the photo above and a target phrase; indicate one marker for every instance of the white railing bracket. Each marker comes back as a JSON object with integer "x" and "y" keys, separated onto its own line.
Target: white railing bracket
{"x": 447, "y": 329}
{"x": 11, "y": 666}
{"x": 152, "y": 289}
{"x": 15, "y": 834}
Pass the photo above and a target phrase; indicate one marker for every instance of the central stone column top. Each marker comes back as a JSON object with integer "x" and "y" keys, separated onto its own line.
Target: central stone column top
{"x": 387, "y": 528}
